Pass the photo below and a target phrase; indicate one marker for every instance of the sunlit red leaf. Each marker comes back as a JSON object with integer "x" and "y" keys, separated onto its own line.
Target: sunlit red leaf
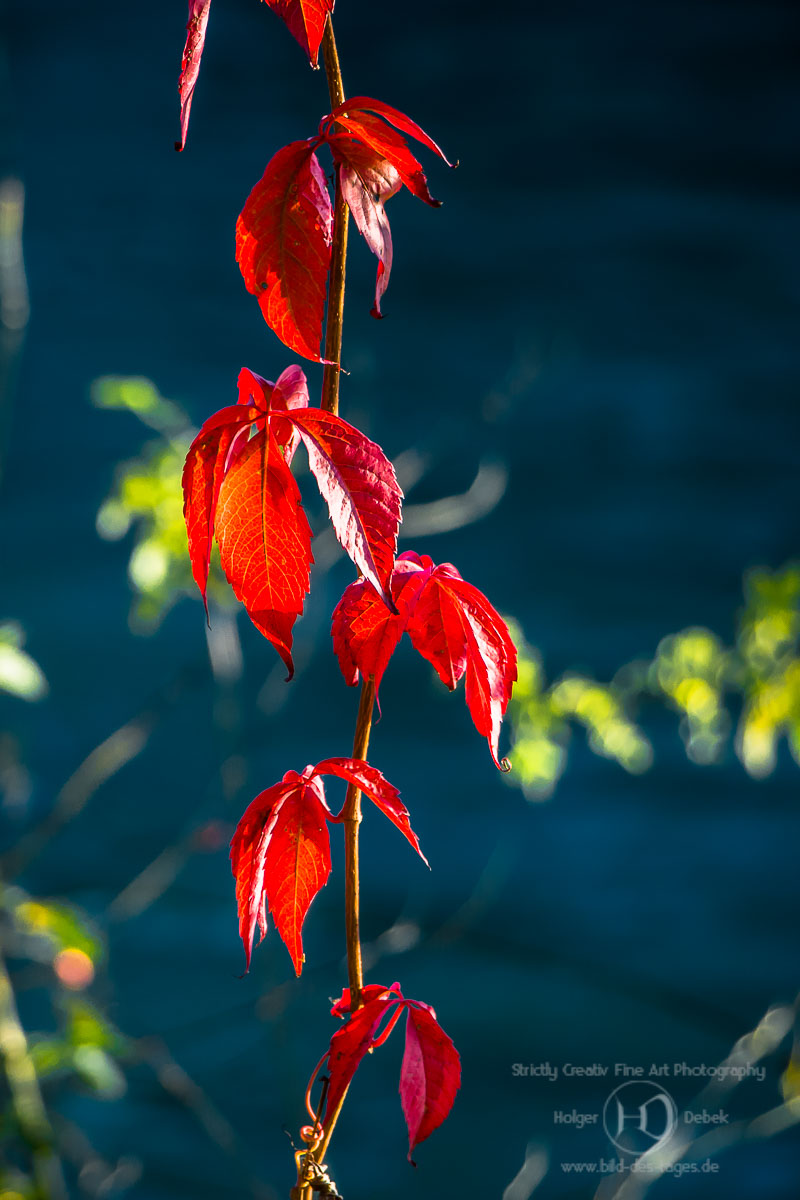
{"x": 382, "y": 793}
{"x": 305, "y": 20}
{"x": 430, "y": 1075}
{"x": 283, "y": 246}
{"x": 367, "y": 182}
{"x": 450, "y": 623}
{"x": 190, "y": 65}
{"x": 203, "y": 473}
{"x": 350, "y": 1043}
{"x": 265, "y": 540}
{"x": 297, "y": 864}
{"x": 360, "y": 488}
{"x": 365, "y": 632}
{"x": 395, "y": 117}
{"x": 248, "y": 855}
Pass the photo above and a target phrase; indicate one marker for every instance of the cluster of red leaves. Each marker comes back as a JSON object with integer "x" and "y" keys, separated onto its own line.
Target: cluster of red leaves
{"x": 283, "y": 235}
{"x": 450, "y": 623}
{"x": 430, "y": 1074}
{"x": 239, "y": 489}
{"x": 280, "y": 853}
{"x": 237, "y": 484}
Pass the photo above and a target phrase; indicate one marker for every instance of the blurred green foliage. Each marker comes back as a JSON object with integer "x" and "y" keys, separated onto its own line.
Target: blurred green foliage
{"x": 147, "y": 496}
{"x": 54, "y": 947}
{"x": 19, "y": 674}
{"x": 703, "y": 681}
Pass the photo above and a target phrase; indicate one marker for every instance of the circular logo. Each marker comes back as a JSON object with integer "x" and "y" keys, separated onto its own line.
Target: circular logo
{"x": 638, "y": 1116}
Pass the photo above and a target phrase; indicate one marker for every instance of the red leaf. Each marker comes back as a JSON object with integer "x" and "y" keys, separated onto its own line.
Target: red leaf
{"x": 355, "y": 118}
{"x": 248, "y": 854}
{"x": 395, "y": 117}
{"x": 203, "y": 473}
{"x": 297, "y": 864}
{"x": 350, "y": 1044}
{"x": 430, "y": 1075}
{"x": 382, "y": 793}
{"x": 265, "y": 541}
{"x": 283, "y": 246}
{"x": 190, "y": 64}
{"x": 450, "y": 623}
{"x": 364, "y": 631}
{"x": 384, "y": 143}
{"x": 368, "y": 181}
{"x": 280, "y": 856}
{"x": 291, "y": 391}
{"x": 306, "y": 21}
{"x": 359, "y": 486}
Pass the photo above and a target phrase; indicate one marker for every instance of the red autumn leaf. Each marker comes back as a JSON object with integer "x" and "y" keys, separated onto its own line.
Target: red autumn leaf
{"x": 367, "y": 182}
{"x": 374, "y": 161}
{"x": 243, "y": 492}
{"x": 450, "y": 623}
{"x": 297, "y": 864}
{"x": 283, "y": 246}
{"x": 430, "y": 1075}
{"x": 394, "y": 117}
{"x": 280, "y": 853}
{"x": 360, "y": 488}
{"x": 350, "y": 1043}
{"x": 265, "y": 540}
{"x": 305, "y": 20}
{"x": 248, "y": 855}
{"x": 355, "y": 119}
{"x": 382, "y": 793}
{"x": 190, "y": 64}
{"x": 365, "y": 632}
{"x": 203, "y": 473}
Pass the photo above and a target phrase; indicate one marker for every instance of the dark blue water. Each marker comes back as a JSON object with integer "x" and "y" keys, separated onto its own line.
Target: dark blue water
{"x": 607, "y": 302}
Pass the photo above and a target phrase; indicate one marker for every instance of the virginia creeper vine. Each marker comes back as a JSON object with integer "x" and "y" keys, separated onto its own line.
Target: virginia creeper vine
{"x": 291, "y": 246}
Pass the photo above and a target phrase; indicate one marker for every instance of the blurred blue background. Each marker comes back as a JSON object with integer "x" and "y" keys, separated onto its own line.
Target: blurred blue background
{"x": 605, "y": 312}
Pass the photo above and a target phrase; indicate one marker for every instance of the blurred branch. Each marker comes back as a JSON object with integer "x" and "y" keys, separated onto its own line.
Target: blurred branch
{"x": 181, "y": 1087}
{"x": 26, "y": 1097}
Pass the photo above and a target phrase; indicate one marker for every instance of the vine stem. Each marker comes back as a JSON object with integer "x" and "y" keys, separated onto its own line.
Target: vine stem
{"x": 333, "y": 325}
{"x": 351, "y": 815}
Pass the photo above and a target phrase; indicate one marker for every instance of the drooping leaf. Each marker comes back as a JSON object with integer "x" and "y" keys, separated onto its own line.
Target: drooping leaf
{"x": 350, "y": 1043}
{"x": 265, "y": 540}
{"x": 190, "y": 64}
{"x": 450, "y": 623}
{"x": 367, "y": 182}
{"x": 365, "y": 632}
{"x": 203, "y": 473}
{"x": 430, "y": 1075}
{"x": 382, "y": 793}
{"x": 356, "y": 119}
{"x": 283, "y": 246}
{"x": 290, "y": 391}
{"x": 359, "y": 486}
{"x": 280, "y": 853}
{"x": 305, "y": 20}
{"x": 248, "y": 855}
{"x": 297, "y": 864}
{"x": 394, "y": 117}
